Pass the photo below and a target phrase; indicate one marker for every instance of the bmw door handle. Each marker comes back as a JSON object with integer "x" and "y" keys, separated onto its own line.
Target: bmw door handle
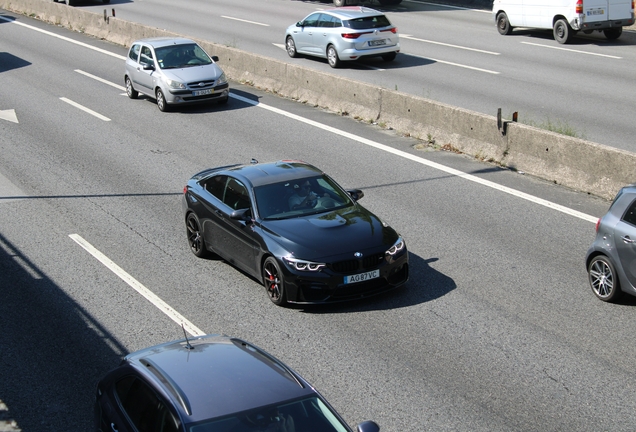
{"x": 219, "y": 213}
{"x": 626, "y": 239}
{"x": 113, "y": 426}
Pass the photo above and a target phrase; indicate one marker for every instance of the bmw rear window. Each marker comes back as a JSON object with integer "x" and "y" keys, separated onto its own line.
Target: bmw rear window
{"x": 366, "y": 23}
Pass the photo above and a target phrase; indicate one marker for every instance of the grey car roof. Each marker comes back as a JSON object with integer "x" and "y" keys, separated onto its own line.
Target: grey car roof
{"x": 218, "y": 375}
{"x": 158, "y": 42}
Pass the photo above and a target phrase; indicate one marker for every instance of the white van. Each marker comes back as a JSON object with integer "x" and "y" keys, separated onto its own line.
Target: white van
{"x": 565, "y": 17}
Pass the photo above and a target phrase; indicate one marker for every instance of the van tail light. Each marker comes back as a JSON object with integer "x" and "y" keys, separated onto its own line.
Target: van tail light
{"x": 598, "y": 224}
{"x": 579, "y": 6}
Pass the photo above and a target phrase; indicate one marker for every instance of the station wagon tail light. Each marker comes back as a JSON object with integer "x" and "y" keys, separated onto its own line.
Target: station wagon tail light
{"x": 185, "y": 189}
{"x": 598, "y": 224}
{"x": 397, "y": 246}
{"x": 392, "y": 30}
{"x": 354, "y": 35}
{"x": 303, "y": 265}
{"x": 579, "y": 7}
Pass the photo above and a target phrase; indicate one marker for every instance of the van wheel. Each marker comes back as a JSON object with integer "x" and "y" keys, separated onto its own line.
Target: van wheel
{"x": 613, "y": 33}
{"x": 563, "y": 32}
{"x": 503, "y": 25}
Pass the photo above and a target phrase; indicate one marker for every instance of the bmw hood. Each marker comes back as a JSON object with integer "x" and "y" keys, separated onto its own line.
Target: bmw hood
{"x": 316, "y": 237}
{"x": 194, "y": 73}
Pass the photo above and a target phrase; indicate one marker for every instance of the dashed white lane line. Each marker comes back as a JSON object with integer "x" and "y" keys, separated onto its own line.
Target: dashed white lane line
{"x": 423, "y": 161}
{"x": 137, "y": 286}
{"x": 102, "y": 80}
{"x": 245, "y": 21}
{"x": 571, "y": 50}
{"x": 449, "y": 45}
{"x": 83, "y": 108}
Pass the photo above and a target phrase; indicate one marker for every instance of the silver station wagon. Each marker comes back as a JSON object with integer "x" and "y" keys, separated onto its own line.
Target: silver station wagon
{"x": 344, "y": 34}
{"x": 174, "y": 71}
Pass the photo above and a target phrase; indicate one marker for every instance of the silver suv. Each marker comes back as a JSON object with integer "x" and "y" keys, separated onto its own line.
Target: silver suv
{"x": 174, "y": 71}
{"x": 343, "y": 34}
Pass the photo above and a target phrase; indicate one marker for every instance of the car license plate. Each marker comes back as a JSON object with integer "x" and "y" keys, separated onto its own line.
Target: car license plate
{"x": 202, "y": 92}
{"x": 377, "y": 42}
{"x": 595, "y": 12}
{"x": 361, "y": 277}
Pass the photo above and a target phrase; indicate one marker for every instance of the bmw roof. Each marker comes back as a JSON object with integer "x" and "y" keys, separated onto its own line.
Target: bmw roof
{"x": 259, "y": 174}
{"x": 213, "y": 375}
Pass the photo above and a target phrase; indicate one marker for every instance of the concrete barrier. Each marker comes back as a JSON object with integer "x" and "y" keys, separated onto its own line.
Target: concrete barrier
{"x": 583, "y": 165}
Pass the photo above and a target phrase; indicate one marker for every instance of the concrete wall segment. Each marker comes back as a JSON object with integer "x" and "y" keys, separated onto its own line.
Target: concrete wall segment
{"x": 575, "y": 163}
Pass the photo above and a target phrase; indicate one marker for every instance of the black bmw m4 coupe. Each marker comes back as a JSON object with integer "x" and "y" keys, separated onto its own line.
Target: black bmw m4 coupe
{"x": 293, "y": 228}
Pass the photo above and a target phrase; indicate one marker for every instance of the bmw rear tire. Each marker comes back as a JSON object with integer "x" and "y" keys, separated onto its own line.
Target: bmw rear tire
{"x": 195, "y": 236}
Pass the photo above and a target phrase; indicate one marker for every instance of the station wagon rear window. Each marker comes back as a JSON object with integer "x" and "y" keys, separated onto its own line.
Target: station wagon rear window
{"x": 365, "y": 23}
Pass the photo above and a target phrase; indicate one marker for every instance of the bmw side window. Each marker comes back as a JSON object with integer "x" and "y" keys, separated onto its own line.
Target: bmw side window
{"x": 216, "y": 186}
{"x": 134, "y": 52}
{"x": 236, "y": 195}
{"x": 630, "y": 214}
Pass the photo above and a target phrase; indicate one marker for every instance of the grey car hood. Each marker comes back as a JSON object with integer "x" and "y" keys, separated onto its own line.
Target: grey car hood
{"x": 193, "y": 73}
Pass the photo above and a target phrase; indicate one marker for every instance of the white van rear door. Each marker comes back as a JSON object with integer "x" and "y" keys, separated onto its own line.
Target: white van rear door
{"x": 596, "y": 10}
{"x": 620, "y": 9}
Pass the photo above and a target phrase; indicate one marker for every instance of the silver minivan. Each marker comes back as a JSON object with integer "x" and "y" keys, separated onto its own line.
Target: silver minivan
{"x": 174, "y": 71}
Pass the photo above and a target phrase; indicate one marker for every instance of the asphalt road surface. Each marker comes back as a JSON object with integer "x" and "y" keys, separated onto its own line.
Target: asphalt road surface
{"x": 497, "y": 330}
{"x": 450, "y": 54}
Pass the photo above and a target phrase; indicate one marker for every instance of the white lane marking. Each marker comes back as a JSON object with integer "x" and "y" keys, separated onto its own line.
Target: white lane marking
{"x": 103, "y": 51}
{"x": 457, "y": 64}
{"x": 245, "y": 21}
{"x": 137, "y": 286}
{"x": 102, "y": 80}
{"x": 450, "y": 7}
{"x": 423, "y": 161}
{"x": 9, "y": 115}
{"x": 571, "y": 50}
{"x": 448, "y": 45}
{"x": 9, "y": 192}
{"x": 83, "y": 108}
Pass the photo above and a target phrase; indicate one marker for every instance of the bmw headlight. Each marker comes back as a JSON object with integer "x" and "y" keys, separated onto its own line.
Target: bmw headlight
{"x": 222, "y": 79}
{"x": 303, "y": 265}
{"x": 175, "y": 84}
{"x": 397, "y": 246}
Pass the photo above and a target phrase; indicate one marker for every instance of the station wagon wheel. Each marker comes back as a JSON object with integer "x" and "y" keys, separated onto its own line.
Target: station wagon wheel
{"x": 603, "y": 279}
{"x": 273, "y": 281}
{"x": 195, "y": 236}
{"x": 503, "y": 25}
{"x": 291, "y": 47}
{"x": 161, "y": 101}
{"x": 130, "y": 90}
{"x": 332, "y": 57}
{"x": 389, "y": 56}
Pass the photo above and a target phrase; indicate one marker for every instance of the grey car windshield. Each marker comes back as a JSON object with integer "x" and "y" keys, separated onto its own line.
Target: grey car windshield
{"x": 306, "y": 415}
{"x": 181, "y": 56}
{"x": 300, "y": 197}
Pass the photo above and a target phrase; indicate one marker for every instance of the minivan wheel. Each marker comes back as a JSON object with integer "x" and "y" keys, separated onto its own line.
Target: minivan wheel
{"x": 503, "y": 25}
{"x": 130, "y": 90}
{"x": 332, "y": 57}
{"x": 603, "y": 279}
{"x": 563, "y": 32}
{"x": 161, "y": 101}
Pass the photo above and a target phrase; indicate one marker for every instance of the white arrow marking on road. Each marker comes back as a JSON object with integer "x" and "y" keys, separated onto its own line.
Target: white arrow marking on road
{"x": 9, "y": 115}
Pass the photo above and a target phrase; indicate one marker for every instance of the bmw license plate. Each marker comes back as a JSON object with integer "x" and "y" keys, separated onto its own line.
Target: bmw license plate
{"x": 361, "y": 277}
{"x": 377, "y": 42}
{"x": 202, "y": 92}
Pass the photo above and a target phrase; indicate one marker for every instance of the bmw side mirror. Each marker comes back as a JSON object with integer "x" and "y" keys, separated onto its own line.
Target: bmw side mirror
{"x": 215, "y": 59}
{"x": 356, "y": 194}
{"x": 368, "y": 426}
{"x": 242, "y": 214}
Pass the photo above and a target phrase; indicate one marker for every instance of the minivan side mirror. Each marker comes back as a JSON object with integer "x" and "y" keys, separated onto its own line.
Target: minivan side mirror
{"x": 368, "y": 426}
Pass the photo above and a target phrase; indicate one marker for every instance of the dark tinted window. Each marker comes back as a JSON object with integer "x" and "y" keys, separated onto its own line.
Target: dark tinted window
{"x": 236, "y": 195}
{"x": 630, "y": 214}
{"x": 216, "y": 186}
{"x": 134, "y": 52}
{"x": 143, "y": 408}
{"x": 312, "y": 20}
{"x": 365, "y": 23}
